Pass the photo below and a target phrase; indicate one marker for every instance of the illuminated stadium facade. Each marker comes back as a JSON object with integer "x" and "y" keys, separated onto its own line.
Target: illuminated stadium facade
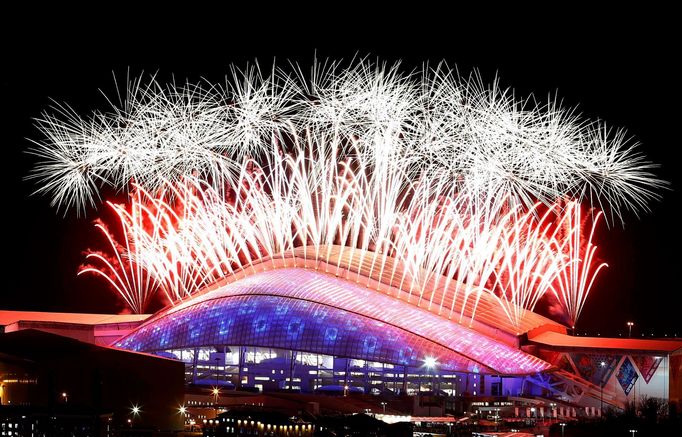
{"x": 329, "y": 326}
{"x": 326, "y": 327}
{"x": 288, "y": 324}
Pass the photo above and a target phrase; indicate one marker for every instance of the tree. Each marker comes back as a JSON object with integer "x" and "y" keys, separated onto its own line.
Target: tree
{"x": 652, "y": 409}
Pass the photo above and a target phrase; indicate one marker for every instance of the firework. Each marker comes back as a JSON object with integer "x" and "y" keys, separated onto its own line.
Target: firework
{"x": 431, "y": 183}
{"x": 439, "y": 253}
{"x": 575, "y": 280}
{"x": 482, "y": 139}
{"x": 121, "y": 270}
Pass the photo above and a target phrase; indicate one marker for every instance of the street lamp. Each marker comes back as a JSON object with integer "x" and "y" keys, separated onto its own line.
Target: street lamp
{"x": 383, "y": 405}
{"x": 135, "y": 412}
{"x": 601, "y": 388}
{"x": 562, "y": 425}
{"x": 216, "y": 390}
{"x": 633, "y": 431}
{"x": 182, "y": 410}
{"x": 430, "y": 363}
{"x": 630, "y": 329}
{"x": 65, "y": 396}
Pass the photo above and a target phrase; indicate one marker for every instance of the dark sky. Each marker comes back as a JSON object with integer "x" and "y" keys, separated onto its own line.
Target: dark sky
{"x": 618, "y": 70}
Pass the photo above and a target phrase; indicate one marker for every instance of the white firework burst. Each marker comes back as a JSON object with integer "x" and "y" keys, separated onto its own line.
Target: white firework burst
{"x": 430, "y": 182}
{"x": 484, "y": 139}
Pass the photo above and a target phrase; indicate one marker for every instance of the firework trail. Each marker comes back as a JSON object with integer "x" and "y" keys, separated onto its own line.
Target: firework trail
{"x": 430, "y": 182}
{"x": 122, "y": 271}
{"x": 437, "y": 252}
{"x": 575, "y": 280}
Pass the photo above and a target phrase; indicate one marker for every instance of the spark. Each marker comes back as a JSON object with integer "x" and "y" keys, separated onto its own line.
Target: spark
{"x": 437, "y": 250}
{"x": 429, "y": 182}
{"x": 575, "y": 280}
{"x": 433, "y": 121}
{"x": 121, "y": 269}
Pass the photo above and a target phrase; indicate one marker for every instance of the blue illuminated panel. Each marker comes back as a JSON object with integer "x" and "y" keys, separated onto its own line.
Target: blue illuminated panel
{"x": 282, "y": 323}
{"x": 305, "y": 310}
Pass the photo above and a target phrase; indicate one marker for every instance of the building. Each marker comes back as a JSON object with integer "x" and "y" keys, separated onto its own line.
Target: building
{"x": 48, "y": 381}
{"x": 99, "y": 329}
{"x": 314, "y": 327}
{"x": 31, "y": 421}
{"x": 257, "y": 422}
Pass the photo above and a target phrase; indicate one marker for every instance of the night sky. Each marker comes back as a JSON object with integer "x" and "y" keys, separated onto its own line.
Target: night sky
{"x": 622, "y": 74}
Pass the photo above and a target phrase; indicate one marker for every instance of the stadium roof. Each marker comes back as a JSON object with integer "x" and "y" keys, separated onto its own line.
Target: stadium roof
{"x": 10, "y": 317}
{"x": 315, "y": 287}
{"x": 489, "y": 315}
{"x": 33, "y": 344}
{"x": 557, "y": 340}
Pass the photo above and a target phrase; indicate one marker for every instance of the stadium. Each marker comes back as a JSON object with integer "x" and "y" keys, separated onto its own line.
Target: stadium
{"x": 288, "y": 324}
{"x": 359, "y": 232}
{"x": 291, "y": 325}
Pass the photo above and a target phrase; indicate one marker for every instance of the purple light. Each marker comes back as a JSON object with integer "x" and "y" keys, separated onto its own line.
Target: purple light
{"x": 295, "y": 283}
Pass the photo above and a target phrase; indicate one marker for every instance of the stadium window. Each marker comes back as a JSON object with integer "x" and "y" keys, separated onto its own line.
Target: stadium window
{"x": 496, "y": 389}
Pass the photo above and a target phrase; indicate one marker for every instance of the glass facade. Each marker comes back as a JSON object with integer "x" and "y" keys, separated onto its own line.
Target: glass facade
{"x": 288, "y": 321}
{"x": 282, "y": 323}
